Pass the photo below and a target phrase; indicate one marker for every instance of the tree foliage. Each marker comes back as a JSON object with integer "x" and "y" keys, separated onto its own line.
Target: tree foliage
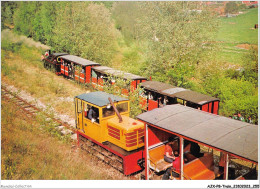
{"x": 7, "y": 11}
{"x": 231, "y": 7}
{"x": 175, "y": 33}
{"x": 85, "y": 29}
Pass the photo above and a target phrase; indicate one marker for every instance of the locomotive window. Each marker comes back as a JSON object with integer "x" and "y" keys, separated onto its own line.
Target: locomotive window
{"x": 122, "y": 107}
{"x": 106, "y": 112}
{"x": 93, "y": 114}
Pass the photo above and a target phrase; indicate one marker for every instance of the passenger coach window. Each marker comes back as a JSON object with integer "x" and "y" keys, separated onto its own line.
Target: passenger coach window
{"x": 106, "y": 112}
{"x": 94, "y": 74}
{"x": 122, "y": 107}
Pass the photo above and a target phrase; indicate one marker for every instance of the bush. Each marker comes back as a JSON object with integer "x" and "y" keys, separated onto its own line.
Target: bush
{"x": 231, "y": 7}
{"x": 242, "y": 7}
{"x": 133, "y": 96}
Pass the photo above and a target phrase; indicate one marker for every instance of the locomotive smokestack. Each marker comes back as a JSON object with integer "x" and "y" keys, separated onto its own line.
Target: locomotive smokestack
{"x": 117, "y": 113}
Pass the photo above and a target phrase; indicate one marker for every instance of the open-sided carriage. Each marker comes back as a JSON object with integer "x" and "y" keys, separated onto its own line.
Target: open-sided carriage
{"x": 226, "y": 148}
{"x": 77, "y": 68}
{"x": 104, "y": 73}
{"x": 158, "y": 94}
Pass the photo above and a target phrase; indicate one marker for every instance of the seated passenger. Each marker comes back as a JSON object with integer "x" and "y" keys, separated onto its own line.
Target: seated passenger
{"x": 165, "y": 101}
{"x": 82, "y": 70}
{"x": 91, "y": 114}
{"x": 150, "y": 96}
{"x": 168, "y": 153}
{"x": 195, "y": 150}
{"x": 175, "y": 169}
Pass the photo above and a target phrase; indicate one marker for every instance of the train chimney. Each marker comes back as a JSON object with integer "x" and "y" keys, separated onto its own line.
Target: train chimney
{"x": 117, "y": 113}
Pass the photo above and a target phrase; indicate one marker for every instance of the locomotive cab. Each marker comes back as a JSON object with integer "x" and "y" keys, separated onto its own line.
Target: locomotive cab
{"x": 118, "y": 139}
{"x": 103, "y": 124}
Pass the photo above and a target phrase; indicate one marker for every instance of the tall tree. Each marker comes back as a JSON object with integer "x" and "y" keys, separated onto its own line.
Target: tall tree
{"x": 24, "y": 17}
{"x": 85, "y": 29}
{"x": 126, "y": 14}
{"x": 7, "y": 11}
{"x": 176, "y": 35}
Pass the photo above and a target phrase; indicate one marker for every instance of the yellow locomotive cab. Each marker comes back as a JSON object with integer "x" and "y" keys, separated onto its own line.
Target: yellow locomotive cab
{"x": 105, "y": 125}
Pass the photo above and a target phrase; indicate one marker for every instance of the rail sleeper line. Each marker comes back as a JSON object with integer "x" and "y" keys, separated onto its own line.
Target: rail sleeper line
{"x": 30, "y": 110}
{"x": 102, "y": 154}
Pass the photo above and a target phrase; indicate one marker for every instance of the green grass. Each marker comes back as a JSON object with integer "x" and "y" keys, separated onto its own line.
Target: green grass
{"x": 234, "y": 31}
{"x": 30, "y": 152}
{"x": 239, "y": 29}
{"x": 229, "y": 53}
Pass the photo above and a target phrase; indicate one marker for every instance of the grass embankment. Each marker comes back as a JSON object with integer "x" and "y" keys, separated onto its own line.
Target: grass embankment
{"x": 235, "y": 31}
{"x": 30, "y": 152}
{"x": 21, "y": 66}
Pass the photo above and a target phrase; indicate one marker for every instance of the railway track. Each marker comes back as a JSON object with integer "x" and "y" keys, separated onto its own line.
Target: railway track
{"x": 31, "y": 111}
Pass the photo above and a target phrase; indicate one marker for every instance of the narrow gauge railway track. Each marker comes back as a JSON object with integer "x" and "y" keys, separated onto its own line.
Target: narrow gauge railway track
{"x": 30, "y": 110}
{"x": 86, "y": 145}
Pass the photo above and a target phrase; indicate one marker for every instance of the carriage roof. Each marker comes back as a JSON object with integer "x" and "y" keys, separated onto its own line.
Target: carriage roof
{"x": 100, "y": 98}
{"x": 118, "y": 73}
{"x": 178, "y": 92}
{"x": 156, "y": 86}
{"x": 79, "y": 60}
{"x": 233, "y": 136}
{"x": 59, "y": 54}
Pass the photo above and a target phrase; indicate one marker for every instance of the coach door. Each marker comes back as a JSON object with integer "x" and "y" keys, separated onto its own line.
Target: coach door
{"x": 79, "y": 113}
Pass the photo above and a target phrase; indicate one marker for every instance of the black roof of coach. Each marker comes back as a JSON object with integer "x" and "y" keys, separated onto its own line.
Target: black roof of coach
{"x": 79, "y": 60}
{"x": 59, "y": 54}
{"x": 178, "y": 92}
{"x": 195, "y": 97}
{"x": 236, "y": 137}
{"x": 100, "y": 98}
{"x": 156, "y": 86}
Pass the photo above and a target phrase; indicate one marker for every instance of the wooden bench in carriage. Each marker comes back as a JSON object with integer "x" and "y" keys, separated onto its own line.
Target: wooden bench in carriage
{"x": 77, "y": 68}
{"x": 233, "y": 138}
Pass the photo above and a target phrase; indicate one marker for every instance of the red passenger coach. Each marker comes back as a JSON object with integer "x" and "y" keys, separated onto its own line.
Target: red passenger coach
{"x": 158, "y": 93}
{"x": 199, "y": 137}
{"x": 77, "y": 68}
{"x": 103, "y": 73}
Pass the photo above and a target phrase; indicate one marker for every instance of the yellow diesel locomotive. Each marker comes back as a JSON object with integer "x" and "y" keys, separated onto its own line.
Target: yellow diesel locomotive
{"x": 103, "y": 125}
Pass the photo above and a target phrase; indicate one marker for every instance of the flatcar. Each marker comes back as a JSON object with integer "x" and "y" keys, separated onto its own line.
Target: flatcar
{"x": 158, "y": 94}
{"x": 104, "y": 126}
{"x": 210, "y": 146}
